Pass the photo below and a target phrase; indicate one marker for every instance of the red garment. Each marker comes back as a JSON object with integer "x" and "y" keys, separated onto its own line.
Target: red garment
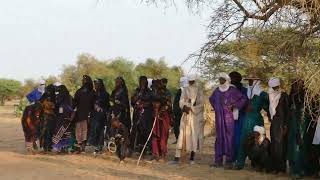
{"x": 161, "y": 135}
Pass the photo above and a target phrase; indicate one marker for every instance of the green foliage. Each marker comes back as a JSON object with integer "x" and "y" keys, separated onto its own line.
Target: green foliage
{"x": 8, "y": 89}
{"x": 109, "y": 70}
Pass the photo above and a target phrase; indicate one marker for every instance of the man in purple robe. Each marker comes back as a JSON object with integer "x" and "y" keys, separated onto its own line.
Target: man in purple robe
{"x": 225, "y": 100}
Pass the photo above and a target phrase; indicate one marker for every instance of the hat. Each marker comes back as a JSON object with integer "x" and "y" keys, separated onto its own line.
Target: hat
{"x": 274, "y": 82}
{"x": 260, "y": 130}
{"x": 252, "y": 76}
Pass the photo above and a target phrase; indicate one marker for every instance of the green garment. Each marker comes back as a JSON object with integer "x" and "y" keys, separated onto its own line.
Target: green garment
{"x": 253, "y": 118}
{"x": 297, "y": 126}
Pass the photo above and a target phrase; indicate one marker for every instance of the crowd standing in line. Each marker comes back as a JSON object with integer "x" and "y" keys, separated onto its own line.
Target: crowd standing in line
{"x": 93, "y": 117}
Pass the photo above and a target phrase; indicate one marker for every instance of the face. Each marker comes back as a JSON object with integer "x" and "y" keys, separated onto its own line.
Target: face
{"x": 96, "y": 85}
{"x": 118, "y": 83}
{"x": 276, "y": 88}
{"x": 222, "y": 80}
{"x": 191, "y": 83}
{"x": 251, "y": 82}
{"x": 143, "y": 83}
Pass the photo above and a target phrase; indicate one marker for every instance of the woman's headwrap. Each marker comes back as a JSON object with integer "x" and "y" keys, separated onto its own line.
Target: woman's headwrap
{"x": 236, "y": 79}
{"x": 224, "y": 87}
{"x": 42, "y": 86}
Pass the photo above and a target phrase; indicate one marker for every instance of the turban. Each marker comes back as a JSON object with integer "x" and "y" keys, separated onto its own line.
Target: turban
{"x": 42, "y": 82}
{"x": 224, "y": 76}
{"x": 192, "y": 77}
{"x": 260, "y": 130}
{"x": 274, "y": 82}
{"x": 184, "y": 82}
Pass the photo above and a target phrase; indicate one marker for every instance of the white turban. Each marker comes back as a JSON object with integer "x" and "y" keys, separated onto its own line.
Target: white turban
{"x": 259, "y": 129}
{"x": 42, "y": 82}
{"x": 224, "y": 87}
{"x": 184, "y": 82}
{"x": 274, "y": 82}
{"x": 224, "y": 76}
{"x": 192, "y": 77}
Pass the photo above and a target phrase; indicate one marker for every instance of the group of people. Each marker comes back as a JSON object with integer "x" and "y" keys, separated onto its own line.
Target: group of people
{"x": 240, "y": 131}
{"x": 63, "y": 123}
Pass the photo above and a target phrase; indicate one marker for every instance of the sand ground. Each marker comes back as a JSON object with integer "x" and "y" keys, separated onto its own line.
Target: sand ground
{"x": 15, "y": 164}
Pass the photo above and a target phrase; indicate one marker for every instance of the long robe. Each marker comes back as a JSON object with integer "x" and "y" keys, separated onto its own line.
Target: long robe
{"x": 141, "y": 102}
{"x": 223, "y": 104}
{"x": 192, "y": 124}
{"x": 252, "y": 118}
{"x": 177, "y": 113}
{"x": 239, "y": 124}
{"x": 121, "y": 107}
{"x": 279, "y": 138}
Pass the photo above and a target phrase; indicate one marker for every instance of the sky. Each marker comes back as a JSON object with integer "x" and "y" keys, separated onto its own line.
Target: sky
{"x": 38, "y": 37}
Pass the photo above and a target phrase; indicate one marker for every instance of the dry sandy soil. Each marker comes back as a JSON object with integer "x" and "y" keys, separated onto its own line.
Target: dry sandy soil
{"x": 16, "y": 165}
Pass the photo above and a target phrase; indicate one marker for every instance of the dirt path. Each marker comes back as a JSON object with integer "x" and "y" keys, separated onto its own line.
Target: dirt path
{"x": 16, "y": 165}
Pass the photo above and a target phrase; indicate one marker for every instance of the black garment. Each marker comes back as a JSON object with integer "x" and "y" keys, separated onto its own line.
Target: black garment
{"x": 121, "y": 106}
{"x": 278, "y": 132}
{"x": 121, "y": 138}
{"x": 83, "y": 102}
{"x": 141, "y": 102}
{"x": 260, "y": 155}
{"x": 177, "y": 113}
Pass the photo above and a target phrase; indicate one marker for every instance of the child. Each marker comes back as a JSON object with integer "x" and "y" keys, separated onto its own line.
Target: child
{"x": 120, "y": 136}
{"x": 258, "y": 149}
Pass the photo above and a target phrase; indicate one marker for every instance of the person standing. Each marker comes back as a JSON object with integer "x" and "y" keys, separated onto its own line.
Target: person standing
{"x": 279, "y": 111}
{"x": 83, "y": 106}
{"x": 36, "y": 94}
{"x": 296, "y": 128}
{"x": 239, "y": 114}
{"x": 224, "y": 100}
{"x": 176, "y": 107}
{"x": 120, "y": 102}
{"x": 141, "y": 102}
{"x": 162, "y": 107}
{"x": 258, "y": 100}
{"x": 192, "y": 122}
{"x": 98, "y": 116}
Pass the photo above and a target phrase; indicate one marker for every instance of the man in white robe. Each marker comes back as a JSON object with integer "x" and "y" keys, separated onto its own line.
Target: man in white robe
{"x": 192, "y": 120}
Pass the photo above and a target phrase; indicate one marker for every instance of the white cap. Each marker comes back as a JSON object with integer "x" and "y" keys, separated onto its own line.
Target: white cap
{"x": 260, "y": 130}
{"x": 274, "y": 82}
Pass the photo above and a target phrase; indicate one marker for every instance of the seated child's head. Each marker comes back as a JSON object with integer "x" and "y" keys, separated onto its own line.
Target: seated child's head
{"x": 115, "y": 124}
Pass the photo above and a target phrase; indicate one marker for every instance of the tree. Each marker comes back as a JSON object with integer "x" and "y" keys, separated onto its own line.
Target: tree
{"x": 8, "y": 89}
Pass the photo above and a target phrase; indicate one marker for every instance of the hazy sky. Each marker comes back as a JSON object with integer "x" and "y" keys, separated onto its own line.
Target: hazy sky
{"x": 38, "y": 36}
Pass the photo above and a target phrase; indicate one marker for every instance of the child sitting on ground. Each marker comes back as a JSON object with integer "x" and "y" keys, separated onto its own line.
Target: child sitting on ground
{"x": 120, "y": 138}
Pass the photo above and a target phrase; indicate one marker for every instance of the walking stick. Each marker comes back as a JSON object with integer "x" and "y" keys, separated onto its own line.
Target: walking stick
{"x": 144, "y": 147}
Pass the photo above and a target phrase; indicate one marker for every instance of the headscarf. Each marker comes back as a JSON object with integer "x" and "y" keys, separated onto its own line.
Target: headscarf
{"x": 261, "y": 130}
{"x": 224, "y": 87}
{"x": 236, "y": 79}
{"x": 255, "y": 89}
{"x": 123, "y": 84}
{"x": 144, "y": 78}
{"x": 88, "y": 82}
{"x": 274, "y": 96}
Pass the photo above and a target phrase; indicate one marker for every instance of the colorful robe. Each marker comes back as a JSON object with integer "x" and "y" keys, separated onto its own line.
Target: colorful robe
{"x": 223, "y": 104}
{"x": 252, "y": 118}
